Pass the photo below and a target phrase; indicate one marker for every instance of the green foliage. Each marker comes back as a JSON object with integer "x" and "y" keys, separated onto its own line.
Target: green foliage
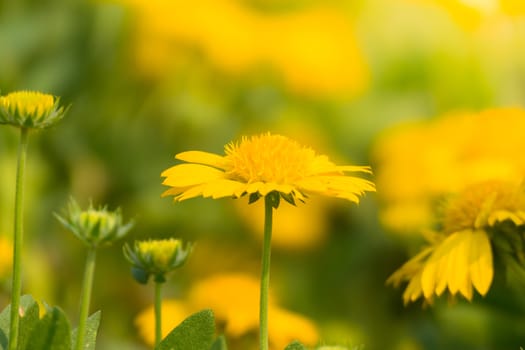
{"x": 52, "y": 331}
{"x": 295, "y": 345}
{"x": 90, "y": 337}
{"x": 196, "y": 333}
{"x": 219, "y": 344}
{"x": 27, "y": 322}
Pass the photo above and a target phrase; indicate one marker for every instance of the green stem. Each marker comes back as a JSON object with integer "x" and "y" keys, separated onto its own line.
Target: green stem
{"x": 265, "y": 273}
{"x": 18, "y": 239}
{"x": 87, "y": 286}
{"x": 158, "y": 313}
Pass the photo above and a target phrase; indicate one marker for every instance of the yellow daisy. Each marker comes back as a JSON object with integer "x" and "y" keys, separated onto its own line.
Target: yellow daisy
{"x": 259, "y": 165}
{"x": 460, "y": 258}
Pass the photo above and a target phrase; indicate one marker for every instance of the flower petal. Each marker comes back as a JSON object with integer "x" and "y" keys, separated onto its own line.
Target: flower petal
{"x": 222, "y": 188}
{"x": 503, "y": 215}
{"x": 200, "y": 157}
{"x": 183, "y": 175}
{"x": 435, "y": 272}
{"x": 480, "y": 262}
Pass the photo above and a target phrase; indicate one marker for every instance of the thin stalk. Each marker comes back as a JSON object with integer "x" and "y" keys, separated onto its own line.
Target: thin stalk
{"x": 158, "y": 313}
{"x": 265, "y": 273}
{"x": 85, "y": 298}
{"x": 17, "y": 241}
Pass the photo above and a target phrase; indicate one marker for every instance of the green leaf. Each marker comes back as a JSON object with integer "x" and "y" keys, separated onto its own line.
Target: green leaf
{"x": 30, "y": 311}
{"x": 295, "y": 345}
{"x": 219, "y": 344}
{"x": 51, "y": 332}
{"x": 195, "y": 333}
{"x": 90, "y": 338}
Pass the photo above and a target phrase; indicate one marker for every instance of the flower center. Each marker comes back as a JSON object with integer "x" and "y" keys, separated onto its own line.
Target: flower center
{"x": 483, "y": 198}
{"x": 28, "y": 102}
{"x": 268, "y": 158}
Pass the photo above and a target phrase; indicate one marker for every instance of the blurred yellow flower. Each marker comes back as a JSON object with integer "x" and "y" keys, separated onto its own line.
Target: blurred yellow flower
{"x": 459, "y": 259}
{"x": 259, "y": 165}
{"x": 418, "y": 163}
{"x": 235, "y": 302}
{"x": 173, "y": 313}
{"x": 471, "y": 13}
{"x": 294, "y": 227}
{"x": 6, "y": 257}
{"x": 313, "y": 50}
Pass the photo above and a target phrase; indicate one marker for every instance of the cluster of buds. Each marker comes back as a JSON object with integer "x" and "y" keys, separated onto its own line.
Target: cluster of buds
{"x": 94, "y": 227}
{"x": 156, "y": 258}
{"x": 29, "y": 109}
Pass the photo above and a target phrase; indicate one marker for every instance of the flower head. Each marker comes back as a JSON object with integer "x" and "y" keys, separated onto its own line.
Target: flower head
{"x": 30, "y": 109}
{"x": 94, "y": 227}
{"x": 259, "y": 165}
{"x": 156, "y": 257}
{"x": 484, "y": 219}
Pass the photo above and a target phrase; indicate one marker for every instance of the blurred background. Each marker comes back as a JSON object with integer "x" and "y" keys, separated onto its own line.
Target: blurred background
{"x": 425, "y": 91}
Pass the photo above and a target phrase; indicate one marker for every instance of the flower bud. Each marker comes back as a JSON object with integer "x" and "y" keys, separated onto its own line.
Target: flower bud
{"x": 156, "y": 257}
{"x": 30, "y": 109}
{"x": 94, "y": 227}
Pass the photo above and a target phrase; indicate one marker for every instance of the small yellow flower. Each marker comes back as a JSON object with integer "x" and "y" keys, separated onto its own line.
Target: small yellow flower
{"x": 94, "y": 227}
{"x": 156, "y": 257}
{"x": 30, "y": 109}
{"x": 486, "y": 217}
{"x": 259, "y": 165}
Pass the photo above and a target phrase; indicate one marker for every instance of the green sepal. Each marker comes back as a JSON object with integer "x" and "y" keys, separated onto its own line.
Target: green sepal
{"x": 274, "y": 198}
{"x": 289, "y": 198}
{"x": 90, "y": 337}
{"x": 219, "y": 343}
{"x": 140, "y": 275}
{"x": 195, "y": 333}
{"x": 295, "y": 345}
{"x": 254, "y": 197}
{"x": 160, "y": 278}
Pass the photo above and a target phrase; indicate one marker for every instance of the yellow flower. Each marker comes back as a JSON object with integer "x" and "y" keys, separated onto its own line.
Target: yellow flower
{"x": 418, "y": 163}
{"x": 472, "y": 13}
{"x": 156, "y": 257}
{"x": 259, "y": 165}
{"x": 294, "y": 227}
{"x": 313, "y": 50}
{"x": 29, "y": 109}
{"x": 6, "y": 257}
{"x": 482, "y": 218}
{"x": 235, "y": 303}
